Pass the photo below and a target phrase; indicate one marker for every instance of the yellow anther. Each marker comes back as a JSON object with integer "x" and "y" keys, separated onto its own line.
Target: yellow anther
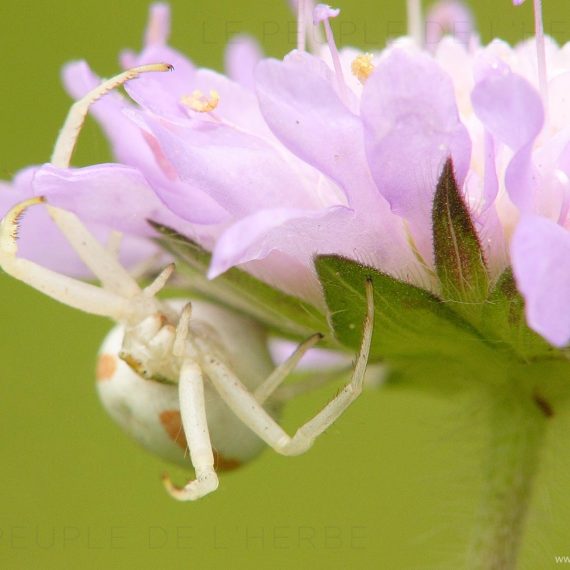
{"x": 362, "y": 67}
{"x": 197, "y": 101}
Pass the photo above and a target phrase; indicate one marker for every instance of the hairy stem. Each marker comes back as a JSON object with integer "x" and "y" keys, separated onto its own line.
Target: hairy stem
{"x": 518, "y": 425}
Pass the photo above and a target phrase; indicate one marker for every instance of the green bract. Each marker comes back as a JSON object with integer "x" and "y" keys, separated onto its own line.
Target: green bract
{"x": 284, "y": 314}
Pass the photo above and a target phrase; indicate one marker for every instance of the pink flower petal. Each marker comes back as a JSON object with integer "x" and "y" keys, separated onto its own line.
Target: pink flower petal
{"x": 161, "y": 92}
{"x": 253, "y": 237}
{"x": 237, "y": 105}
{"x": 126, "y": 140}
{"x": 511, "y": 110}
{"x": 540, "y": 251}
{"x": 111, "y": 194}
{"x": 242, "y": 55}
{"x": 449, "y": 17}
{"x": 241, "y": 171}
{"x": 158, "y": 28}
{"x": 40, "y": 240}
{"x": 302, "y": 234}
{"x": 133, "y": 147}
{"x": 305, "y": 113}
{"x": 411, "y": 127}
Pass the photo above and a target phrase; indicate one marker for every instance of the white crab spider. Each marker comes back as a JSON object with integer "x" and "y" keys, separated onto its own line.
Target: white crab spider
{"x": 169, "y": 367}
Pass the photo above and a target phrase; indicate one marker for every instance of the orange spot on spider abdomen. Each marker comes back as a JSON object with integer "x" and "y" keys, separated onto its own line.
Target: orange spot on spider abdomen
{"x": 106, "y": 367}
{"x": 222, "y": 463}
{"x": 171, "y": 421}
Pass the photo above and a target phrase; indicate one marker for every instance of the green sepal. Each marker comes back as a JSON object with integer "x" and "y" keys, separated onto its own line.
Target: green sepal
{"x": 415, "y": 333}
{"x": 283, "y": 314}
{"x": 459, "y": 259}
{"x": 504, "y": 320}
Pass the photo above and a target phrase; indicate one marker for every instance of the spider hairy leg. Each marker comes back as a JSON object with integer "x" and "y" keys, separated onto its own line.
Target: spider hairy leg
{"x": 68, "y": 135}
{"x": 69, "y": 291}
{"x": 120, "y": 298}
{"x": 191, "y": 392}
{"x": 279, "y": 375}
{"x": 104, "y": 264}
{"x": 244, "y": 404}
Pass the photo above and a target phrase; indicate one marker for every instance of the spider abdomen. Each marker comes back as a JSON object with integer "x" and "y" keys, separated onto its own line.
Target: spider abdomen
{"x": 149, "y": 411}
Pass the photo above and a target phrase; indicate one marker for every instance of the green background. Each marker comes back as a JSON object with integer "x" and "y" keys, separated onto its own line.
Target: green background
{"x": 392, "y": 485}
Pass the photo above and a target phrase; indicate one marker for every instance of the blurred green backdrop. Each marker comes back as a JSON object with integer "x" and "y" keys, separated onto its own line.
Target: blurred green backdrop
{"x": 392, "y": 485}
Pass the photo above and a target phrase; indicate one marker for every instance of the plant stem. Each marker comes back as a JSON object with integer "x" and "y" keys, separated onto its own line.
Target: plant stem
{"x": 518, "y": 425}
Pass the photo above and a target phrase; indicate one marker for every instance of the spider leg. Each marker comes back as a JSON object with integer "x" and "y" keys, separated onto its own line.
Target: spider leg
{"x": 68, "y": 135}
{"x": 193, "y": 412}
{"x": 308, "y": 384}
{"x": 160, "y": 281}
{"x": 278, "y": 376}
{"x": 70, "y": 291}
{"x": 182, "y": 330}
{"x": 146, "y": 266}
{"x": 250, "y": 411}
{"x": 375, "y": 376}
{"x": 113, "y": 245}
{"x": 104, "y": 264}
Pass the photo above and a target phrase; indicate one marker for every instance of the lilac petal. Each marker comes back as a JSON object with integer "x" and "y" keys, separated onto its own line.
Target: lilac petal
{"x": 540, "y": 251}
{"x": 158, "y": 28}
{"x": 247, "y": 239}
{"x": 511, "y": 110}
{"x": 133, "y": 147}
{"x": 492, "y": 237}
{"x": 491, "y": 181}
{"x": 240, "y": 171}
{"x": 558, "y": 108}
{"x": 316, "y": 360}
{"x": 510, "y": 107}
{"x": 115, "y": 195}
{"x": 452, "y": 17}
{"x": 242, "y": 55}
{"x": 161, "y": 92}
{"x": 289, "y": 275}
{"x": 238, "y": 105}
{"x": 305, "y": 113}
{"x": 40, "y": 240}
{"x": 303, "y": 234}
{"x": 412, "y": 127}
{"x": 562, "y": 174}
{"x": 163, "y": 96}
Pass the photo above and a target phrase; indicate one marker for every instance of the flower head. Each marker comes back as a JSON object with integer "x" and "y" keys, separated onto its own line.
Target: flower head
{"x": 341, "y": 152}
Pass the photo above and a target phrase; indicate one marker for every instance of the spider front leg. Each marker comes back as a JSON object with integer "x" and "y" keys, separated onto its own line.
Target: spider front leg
{"x": 101, "y": 261}
{"x": 249, "y": 410}
{"x": 119, "y": 288}
{"x": 60, "y": 287}
{"x": 194, "y": 421}
{"x": 280, "y": 374}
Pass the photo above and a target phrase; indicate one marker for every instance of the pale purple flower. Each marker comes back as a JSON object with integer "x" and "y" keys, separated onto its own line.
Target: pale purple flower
{"x": 449, "y": 17}
{"x": 42, "y": 242}
{"x": 340, "y": 152}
